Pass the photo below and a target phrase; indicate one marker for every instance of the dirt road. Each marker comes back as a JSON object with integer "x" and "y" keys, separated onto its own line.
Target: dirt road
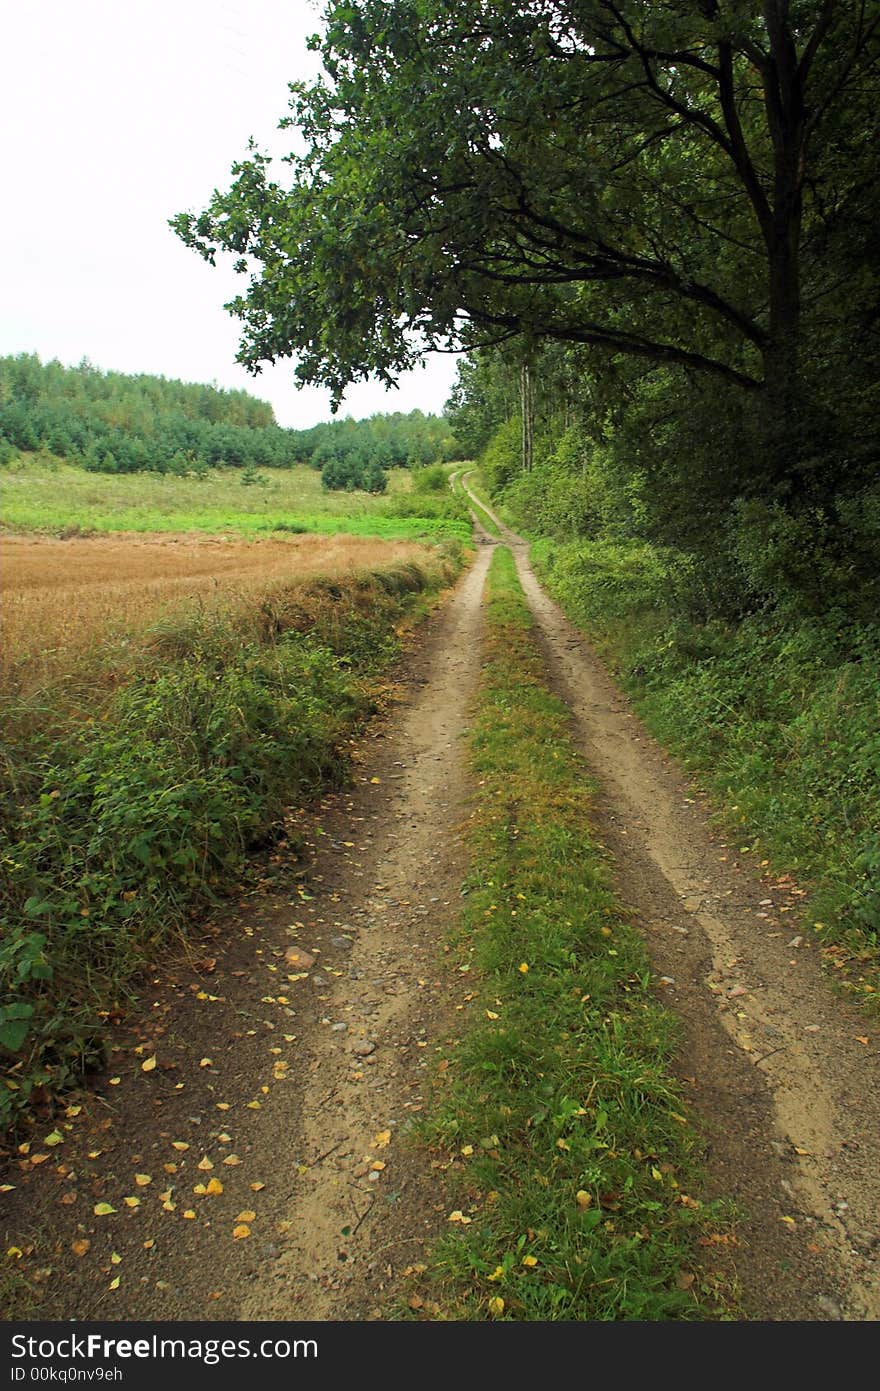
{"x": 787, "y": 1089}
{"x": 261, "y": 1169}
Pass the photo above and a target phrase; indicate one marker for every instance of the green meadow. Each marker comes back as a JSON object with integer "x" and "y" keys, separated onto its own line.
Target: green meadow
{"x": 41, "y": 493}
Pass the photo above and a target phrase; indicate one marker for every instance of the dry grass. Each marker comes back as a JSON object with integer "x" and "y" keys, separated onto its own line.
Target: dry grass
{"x": 64, "y": 601}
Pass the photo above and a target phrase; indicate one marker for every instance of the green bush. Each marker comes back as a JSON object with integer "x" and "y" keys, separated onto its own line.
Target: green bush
{"x": 432, "y": 479}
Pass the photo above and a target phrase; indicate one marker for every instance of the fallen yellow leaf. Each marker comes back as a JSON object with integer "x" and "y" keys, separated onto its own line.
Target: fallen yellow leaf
{"x": 205, "y": 1164}
{"x": 148, "y": 1064}
{"x": 189, "y": 1213}
{"x": 241, "y": 1231}
{"x": 382, "y": 1139}
{"x": 246, "y": 1216}
{"x": 530, "y": 1260}
{"x": 80, "y": 1247}
{"x": 132, "y": 1202}
{"x": 142, "y": 1180}
{"x": 496, "y": 1306}
{"x": 103, "y": 1209}
{"x": 214, "y": 1186}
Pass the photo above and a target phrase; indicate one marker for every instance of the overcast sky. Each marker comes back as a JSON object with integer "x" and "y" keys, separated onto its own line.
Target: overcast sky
{"x": 114, "y": 115}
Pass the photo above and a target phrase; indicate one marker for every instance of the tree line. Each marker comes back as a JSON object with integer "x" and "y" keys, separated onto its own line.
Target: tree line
{"x": 116, "y": 423}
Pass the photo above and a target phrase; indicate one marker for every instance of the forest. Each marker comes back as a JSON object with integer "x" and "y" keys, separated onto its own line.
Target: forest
{"x": 109, "y": 422}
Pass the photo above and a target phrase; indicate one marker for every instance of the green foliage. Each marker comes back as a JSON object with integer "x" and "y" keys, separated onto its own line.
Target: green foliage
{"x": 393, "y": 441}
{"x": 822, "y": 561}
{"x": 613, "y": 579}
{"x": 433, "y": 479}
{"x": 120, "y": 827}
{"x": 112, "y": 423}
{"x": 564, "y": 1124}
{"x": 354, "y": 472}
{"x": 251, "y": 478}
{"x": 501, "y": 461}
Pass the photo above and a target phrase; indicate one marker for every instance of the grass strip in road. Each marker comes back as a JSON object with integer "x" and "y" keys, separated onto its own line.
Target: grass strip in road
{"x": 567, "y": 1148}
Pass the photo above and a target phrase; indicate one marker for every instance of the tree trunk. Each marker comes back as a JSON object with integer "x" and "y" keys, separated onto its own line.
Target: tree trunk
{"x": 781, "y": 357}
{"x": 785, "y": 425}
{"x": 528, "y": 417}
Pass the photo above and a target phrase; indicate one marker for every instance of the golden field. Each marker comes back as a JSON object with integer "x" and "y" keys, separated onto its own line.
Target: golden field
{"x": 63, "y": 600}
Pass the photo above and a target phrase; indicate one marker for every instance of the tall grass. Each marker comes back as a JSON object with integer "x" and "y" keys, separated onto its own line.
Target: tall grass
{"x": 42, "y": 493}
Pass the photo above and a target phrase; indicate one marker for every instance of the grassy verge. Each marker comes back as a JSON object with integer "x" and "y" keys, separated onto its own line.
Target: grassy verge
{"x": 781, "y": 719}
{"x": 45, "y": 494}
{"x": 122, "y": 819}
{"x": 569, "y": 1150}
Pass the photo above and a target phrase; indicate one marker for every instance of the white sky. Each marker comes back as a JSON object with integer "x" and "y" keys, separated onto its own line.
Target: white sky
{"x": 115, "y": 115}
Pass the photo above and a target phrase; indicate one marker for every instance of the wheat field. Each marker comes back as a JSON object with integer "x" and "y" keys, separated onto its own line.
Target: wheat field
{"x": 62, "y": 600}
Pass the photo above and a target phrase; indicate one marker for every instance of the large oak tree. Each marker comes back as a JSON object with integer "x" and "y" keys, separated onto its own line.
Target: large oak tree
{"x": 655, "y": 179}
